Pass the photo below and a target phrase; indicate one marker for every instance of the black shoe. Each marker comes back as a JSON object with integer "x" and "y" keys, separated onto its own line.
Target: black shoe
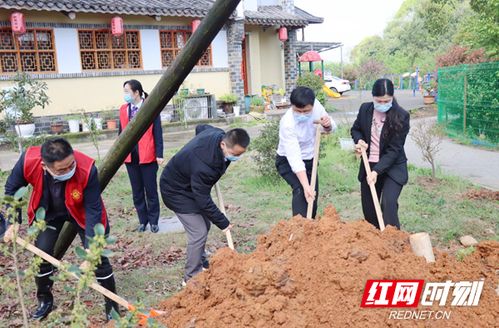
{"x": 110, "y": 306}
{"x": 43, "y": 309}
{"x": 206, "y": 264}
{"x": 141, "y": 228}
{"x": 154, "y": 228}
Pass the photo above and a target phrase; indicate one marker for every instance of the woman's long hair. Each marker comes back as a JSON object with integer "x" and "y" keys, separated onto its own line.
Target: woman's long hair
{"x": 136, "y": 86}
{"x": 393, "y": 120}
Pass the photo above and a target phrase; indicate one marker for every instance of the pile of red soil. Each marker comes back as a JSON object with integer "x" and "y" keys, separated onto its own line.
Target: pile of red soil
{"x": 313, "y": 274}
{"x": 484, "y": 194}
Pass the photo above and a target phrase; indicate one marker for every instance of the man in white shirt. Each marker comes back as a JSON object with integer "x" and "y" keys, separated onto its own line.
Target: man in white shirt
{"x": 296, "y": 146}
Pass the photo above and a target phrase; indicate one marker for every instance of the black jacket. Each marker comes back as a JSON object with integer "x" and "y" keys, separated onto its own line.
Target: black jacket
{"x": 392, "y": 159}
{"x": 188, "y": 177}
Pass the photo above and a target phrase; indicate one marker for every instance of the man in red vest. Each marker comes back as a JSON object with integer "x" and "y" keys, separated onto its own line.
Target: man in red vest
{"x": 65, "y": 183}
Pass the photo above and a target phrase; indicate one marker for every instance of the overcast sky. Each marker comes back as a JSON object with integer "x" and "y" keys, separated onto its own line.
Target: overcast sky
{"x": 347, "y": 21}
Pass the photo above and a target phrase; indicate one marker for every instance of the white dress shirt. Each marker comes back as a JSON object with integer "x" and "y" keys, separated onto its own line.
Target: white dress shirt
{"x": 296, "y": 140}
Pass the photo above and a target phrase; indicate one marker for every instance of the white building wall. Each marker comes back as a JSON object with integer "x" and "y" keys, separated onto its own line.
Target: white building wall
{"x": 67, "y": 50}
{"x": 219, "y": 50}
{"x": 151, "y": 49}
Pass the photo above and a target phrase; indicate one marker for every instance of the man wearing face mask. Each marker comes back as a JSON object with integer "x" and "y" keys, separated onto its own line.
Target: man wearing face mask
{"x": 381, "y": 128}
{"x": 296, "y": 147}
{"x": 186, "y": 184}
{"x": 65, "y": 183}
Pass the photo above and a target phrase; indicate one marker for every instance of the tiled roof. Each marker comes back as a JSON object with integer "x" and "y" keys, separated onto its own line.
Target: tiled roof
{"x": 179, "y": 8}
{"x": 307, "y": 16}
{"x": 274, "y": 15}
{"x": 266, "y": 15}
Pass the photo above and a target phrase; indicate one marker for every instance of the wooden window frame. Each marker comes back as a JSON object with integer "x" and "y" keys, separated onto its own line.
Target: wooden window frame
{"x": 111, "y": 50}
{"x": 176, "y": 50}
{"x": 18, "y": 51}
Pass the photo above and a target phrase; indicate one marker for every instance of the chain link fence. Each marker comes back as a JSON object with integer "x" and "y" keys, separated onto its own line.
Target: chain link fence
{"x": 468, "y": 102}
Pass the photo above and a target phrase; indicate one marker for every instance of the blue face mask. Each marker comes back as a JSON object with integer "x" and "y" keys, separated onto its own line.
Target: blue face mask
{"x": 300, "y": 118}
{"x": 382, "y": 108}
{"x": 232, "y": 158}
{"x": 63, "y": 177}
{"x": 128, "y": 98}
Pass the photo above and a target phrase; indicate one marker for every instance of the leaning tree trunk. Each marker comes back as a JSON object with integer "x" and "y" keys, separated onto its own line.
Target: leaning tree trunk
{"x": 157, "y": 100}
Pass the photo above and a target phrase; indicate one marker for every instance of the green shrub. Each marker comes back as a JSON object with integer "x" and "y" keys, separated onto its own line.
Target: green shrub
{"x": 257, "y": 101}
{"x": 321, "y": 97}
{"x": 315, "y": 83}
{"x": 228, "y": 98}
{"x": 265, "y": 147}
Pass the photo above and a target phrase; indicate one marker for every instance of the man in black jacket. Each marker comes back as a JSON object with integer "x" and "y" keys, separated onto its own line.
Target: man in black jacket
{"x": 186, "y": 184}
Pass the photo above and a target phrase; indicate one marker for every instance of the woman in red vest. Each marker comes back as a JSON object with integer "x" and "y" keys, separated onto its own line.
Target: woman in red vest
{"x": 142, "y": 163}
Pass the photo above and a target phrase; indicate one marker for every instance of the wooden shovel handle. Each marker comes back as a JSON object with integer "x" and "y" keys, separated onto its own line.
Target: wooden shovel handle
{"x": 313, "y": 180}
{"x": 374, "y": 194}
{"x": 52, "y": 260}
{"x": 230, "y": 242}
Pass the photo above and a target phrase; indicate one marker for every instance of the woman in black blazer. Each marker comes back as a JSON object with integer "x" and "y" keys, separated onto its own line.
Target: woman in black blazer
{"x": 381, "y": 127}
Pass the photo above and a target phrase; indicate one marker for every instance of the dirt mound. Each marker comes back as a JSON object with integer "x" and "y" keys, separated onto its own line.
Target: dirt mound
{"x": 313, "y": 274}
{"x": 483, "y": 194}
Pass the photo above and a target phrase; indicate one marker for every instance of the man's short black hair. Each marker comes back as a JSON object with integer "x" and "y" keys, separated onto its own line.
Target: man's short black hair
{"x": 237, "y": 137}
{"x": 54, "y": 150}
{"x": 302, "y": 96}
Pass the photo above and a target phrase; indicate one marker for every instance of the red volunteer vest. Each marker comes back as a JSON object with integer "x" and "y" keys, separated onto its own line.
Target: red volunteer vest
{"x": 147, "y": 149}
{"x": 33, "y": 173}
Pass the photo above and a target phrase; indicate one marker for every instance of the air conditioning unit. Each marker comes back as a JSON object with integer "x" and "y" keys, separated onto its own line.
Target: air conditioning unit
{"x": 196, "y": 108}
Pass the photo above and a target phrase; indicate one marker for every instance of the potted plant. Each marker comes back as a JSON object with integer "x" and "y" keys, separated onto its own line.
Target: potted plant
{"x": 110, "y": 117}
{"x": 200, "y": 91}
{"x": 57, "y": 127}
{"x": 257, "y": 104}
{"x": 429, "y": 89}
{"x": 184, "y": 92}
{"x": 97, "y": 121}
{"x": 19, "y": 100}
{"x": 73, "y": 123}
{"x": 228, "y": 101}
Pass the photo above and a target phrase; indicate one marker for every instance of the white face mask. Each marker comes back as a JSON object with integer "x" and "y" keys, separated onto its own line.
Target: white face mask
{"x": 63, "y": 177}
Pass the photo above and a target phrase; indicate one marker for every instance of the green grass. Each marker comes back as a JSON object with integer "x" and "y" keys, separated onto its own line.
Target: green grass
{"x": 256, "y": 204}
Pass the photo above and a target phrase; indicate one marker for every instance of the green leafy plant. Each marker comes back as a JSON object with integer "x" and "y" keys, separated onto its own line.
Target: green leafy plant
{"x": 94, "y": 131}
{"x": 10, "y": 208}
{"x": 75, "y": 117}
{"x": 315, "y": 83}
{"x": 311, "y": 81}
{"x": 257, "y": 101}
{"x": 265, "y": 147}
{"x": 19, "y": 100}
{"x": 228, "y": 98}
{"x": 464, "y": 252}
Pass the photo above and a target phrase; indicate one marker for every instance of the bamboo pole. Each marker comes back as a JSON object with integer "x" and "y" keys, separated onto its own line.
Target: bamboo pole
{"x": 164, "y": 90}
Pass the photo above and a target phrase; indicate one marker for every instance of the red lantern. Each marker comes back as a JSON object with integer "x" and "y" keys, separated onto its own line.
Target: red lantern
{"x": 117, "y": 26}
{"x": 283, "y": 34}
{"x": 195, "y": 25}
{"x": 18, "y": 23}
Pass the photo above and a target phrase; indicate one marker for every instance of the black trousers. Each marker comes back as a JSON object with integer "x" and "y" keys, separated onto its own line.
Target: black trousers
{"x": 46, "y": 241}
{"x": 145, "y": 191}
{"x": 388, "y": 191}
{"x": 299, "y": 203}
